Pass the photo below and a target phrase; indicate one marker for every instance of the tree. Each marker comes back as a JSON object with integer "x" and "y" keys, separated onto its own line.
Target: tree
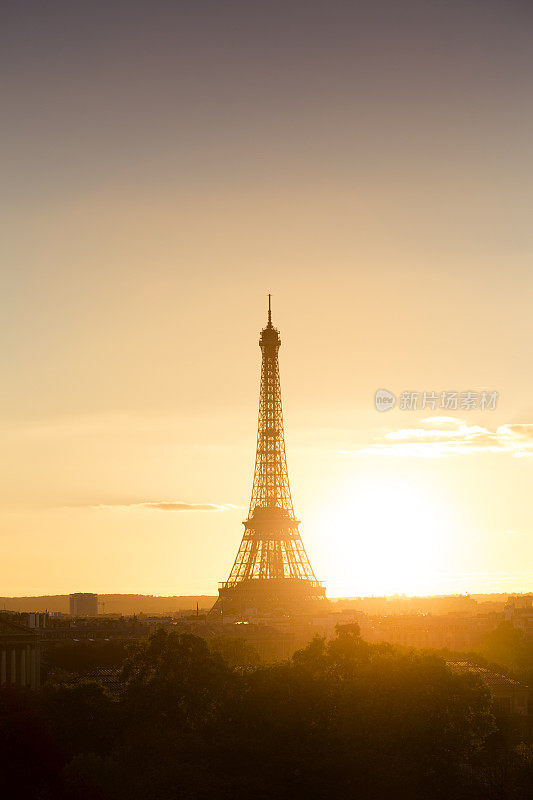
{"x": 235, "y": 652}
{"x": 507, "y": 645}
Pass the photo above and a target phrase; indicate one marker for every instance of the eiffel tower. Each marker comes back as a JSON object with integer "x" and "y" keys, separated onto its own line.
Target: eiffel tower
{"x": 271, "y": 572}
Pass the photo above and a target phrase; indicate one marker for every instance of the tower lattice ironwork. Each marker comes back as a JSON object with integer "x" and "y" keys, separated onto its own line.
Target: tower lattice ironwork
{"x": 272, "y": 570}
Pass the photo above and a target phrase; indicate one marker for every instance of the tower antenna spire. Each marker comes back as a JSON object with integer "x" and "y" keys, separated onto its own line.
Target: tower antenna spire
{"x": 269, "y": 311}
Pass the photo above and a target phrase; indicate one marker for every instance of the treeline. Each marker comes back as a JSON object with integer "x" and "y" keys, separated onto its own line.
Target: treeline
{"x": 506, "y": 650}
{"x": 112, "y": 603}
{"x": 341, "y": 719}
{"x": 510, "y": 647}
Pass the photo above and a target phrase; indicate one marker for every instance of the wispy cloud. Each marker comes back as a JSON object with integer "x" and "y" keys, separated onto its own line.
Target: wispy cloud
{"x": 444, "y": 436}
{"x": 179, "y": 506}
{"x": 159, "y": 505}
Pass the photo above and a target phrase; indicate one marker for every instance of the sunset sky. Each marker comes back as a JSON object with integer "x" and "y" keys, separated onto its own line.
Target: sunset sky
{"x": 165, "y": 165}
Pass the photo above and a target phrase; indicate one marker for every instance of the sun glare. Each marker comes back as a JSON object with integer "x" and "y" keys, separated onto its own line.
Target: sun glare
{"x": 383, "y": 536}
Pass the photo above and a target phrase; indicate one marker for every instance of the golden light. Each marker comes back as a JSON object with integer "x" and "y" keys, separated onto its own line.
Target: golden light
{"x": 384, "y": 535}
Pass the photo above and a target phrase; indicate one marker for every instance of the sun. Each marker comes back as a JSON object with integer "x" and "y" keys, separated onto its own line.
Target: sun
{"x": 383, "y": 536}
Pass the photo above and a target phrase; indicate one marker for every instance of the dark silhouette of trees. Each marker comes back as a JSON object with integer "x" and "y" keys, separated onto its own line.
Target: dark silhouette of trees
{"x": 372, "y": 718}
{"x": 235, "y": 652}
{"x": 508, "y": 646}
{"x": 342, "y": 718}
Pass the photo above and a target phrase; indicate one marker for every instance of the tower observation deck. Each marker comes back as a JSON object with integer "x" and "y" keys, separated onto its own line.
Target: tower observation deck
{"x": 272, "y": 571}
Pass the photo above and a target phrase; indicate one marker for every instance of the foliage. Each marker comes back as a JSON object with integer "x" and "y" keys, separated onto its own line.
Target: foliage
{"x": 235, "y": 652}
{"x": 342, "y": 718}
{"x": 508, "y": 646}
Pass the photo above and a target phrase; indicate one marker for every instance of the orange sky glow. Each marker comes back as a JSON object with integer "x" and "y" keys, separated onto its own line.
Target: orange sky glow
{"x": 165, "y": 174}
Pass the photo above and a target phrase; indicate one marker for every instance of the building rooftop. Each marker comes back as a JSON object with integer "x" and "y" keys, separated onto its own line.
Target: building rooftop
{"x": 487, "y": 675}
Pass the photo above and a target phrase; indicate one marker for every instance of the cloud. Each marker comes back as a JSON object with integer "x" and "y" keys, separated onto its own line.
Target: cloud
{"x": 159, "y": 505}
{"x": 172, "y": 506}
{"x": 445, "y": 436}
{"x": 441, "y": 420}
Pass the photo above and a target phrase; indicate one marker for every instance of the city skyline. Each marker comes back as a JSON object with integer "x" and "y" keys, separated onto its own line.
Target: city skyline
{"x": 166, "y": 169}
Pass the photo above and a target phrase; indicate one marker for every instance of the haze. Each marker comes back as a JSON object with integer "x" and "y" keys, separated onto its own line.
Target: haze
{"x": 167, "y": 165}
